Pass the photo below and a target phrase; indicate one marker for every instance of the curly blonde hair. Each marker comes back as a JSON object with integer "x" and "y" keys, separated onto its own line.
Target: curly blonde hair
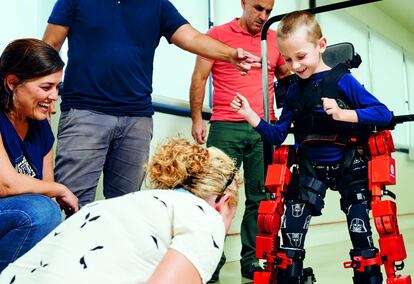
{"x": 202, "y": 171}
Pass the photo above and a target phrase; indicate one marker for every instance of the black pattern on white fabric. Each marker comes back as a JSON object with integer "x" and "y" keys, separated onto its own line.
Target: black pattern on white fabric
{"x": 97, "y": 247}
{"x": 56, "y": 233}
{"x": 87, "y": 219}
{"x": 40, "y": 266}
{"x": 201, "y": 208}
{"x": 82, "y": 260}
{"x": 13, "y": 279}
{"x": 155, "y": 240}
{"x": 165, "y": 204}
{"x": 214, "y": 243}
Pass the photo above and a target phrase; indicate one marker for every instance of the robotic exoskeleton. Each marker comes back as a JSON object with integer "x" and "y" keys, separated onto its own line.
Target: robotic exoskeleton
{"x": 361, "y": 179}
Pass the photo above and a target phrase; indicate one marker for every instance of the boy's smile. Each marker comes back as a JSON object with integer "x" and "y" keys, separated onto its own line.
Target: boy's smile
{"x": 303, "y": 56}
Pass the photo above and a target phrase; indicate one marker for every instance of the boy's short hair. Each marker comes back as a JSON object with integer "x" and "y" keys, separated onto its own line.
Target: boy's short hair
{"x": 294, "y": 20}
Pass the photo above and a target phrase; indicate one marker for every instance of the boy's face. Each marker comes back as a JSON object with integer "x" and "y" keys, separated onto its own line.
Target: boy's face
{"x": 302, "y": 56}
{"x": 255, "y": 14}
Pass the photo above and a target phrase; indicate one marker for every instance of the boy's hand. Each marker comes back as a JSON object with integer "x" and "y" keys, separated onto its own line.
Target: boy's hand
{"x": 330, "y": 106}
{"x": 242, "y": 107}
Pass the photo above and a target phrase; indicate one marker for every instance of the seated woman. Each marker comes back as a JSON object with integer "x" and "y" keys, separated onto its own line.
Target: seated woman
{"x": 174, "y": 234}
{"x": 30, "y": 75}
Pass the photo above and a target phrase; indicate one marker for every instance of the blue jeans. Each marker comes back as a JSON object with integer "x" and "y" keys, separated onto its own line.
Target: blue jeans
{"x": 91, "y": 142}
{"x": 24, "y": 220}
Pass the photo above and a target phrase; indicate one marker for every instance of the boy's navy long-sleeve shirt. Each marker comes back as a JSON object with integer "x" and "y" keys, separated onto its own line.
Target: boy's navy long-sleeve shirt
{"x": 369, "y": 110}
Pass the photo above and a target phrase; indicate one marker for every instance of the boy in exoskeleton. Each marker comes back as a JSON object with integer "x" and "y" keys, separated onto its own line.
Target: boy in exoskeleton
{"x": 322, "y": 105}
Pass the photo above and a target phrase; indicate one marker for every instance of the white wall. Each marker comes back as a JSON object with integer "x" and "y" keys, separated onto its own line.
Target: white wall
{"x": 23, "y": 18}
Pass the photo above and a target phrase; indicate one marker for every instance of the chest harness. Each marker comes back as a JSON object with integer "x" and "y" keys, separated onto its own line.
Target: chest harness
{"x": 313, "y": 126}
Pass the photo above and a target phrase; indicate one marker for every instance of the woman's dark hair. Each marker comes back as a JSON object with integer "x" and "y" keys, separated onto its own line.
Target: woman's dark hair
{"x": 26, "y": 59}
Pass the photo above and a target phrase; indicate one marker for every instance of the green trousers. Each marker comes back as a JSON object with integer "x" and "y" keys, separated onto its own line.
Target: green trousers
{"x": 242, "y": 143}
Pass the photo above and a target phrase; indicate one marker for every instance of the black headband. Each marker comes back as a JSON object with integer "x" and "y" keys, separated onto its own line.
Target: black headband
{"x": 228, "y": 182}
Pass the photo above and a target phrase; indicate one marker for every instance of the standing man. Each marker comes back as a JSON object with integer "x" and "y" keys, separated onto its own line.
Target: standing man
{"x": 106, "y": 120}
{"x": 228, "y": 130}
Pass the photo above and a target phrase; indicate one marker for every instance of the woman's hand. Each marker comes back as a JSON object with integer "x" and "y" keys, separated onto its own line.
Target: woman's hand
{"x": 67, "y": 201}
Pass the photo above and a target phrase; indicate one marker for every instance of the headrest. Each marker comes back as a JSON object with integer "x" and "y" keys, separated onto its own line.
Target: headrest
{"x": 341, "y": 53}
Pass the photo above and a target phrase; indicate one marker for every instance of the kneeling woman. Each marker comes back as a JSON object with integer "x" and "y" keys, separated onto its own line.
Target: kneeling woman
{"x": 30, "y": 76}
{"x": 174, "y": 234}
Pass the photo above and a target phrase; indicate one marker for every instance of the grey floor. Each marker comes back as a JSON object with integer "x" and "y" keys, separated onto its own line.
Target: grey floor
{"x": 327, "y": 262}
